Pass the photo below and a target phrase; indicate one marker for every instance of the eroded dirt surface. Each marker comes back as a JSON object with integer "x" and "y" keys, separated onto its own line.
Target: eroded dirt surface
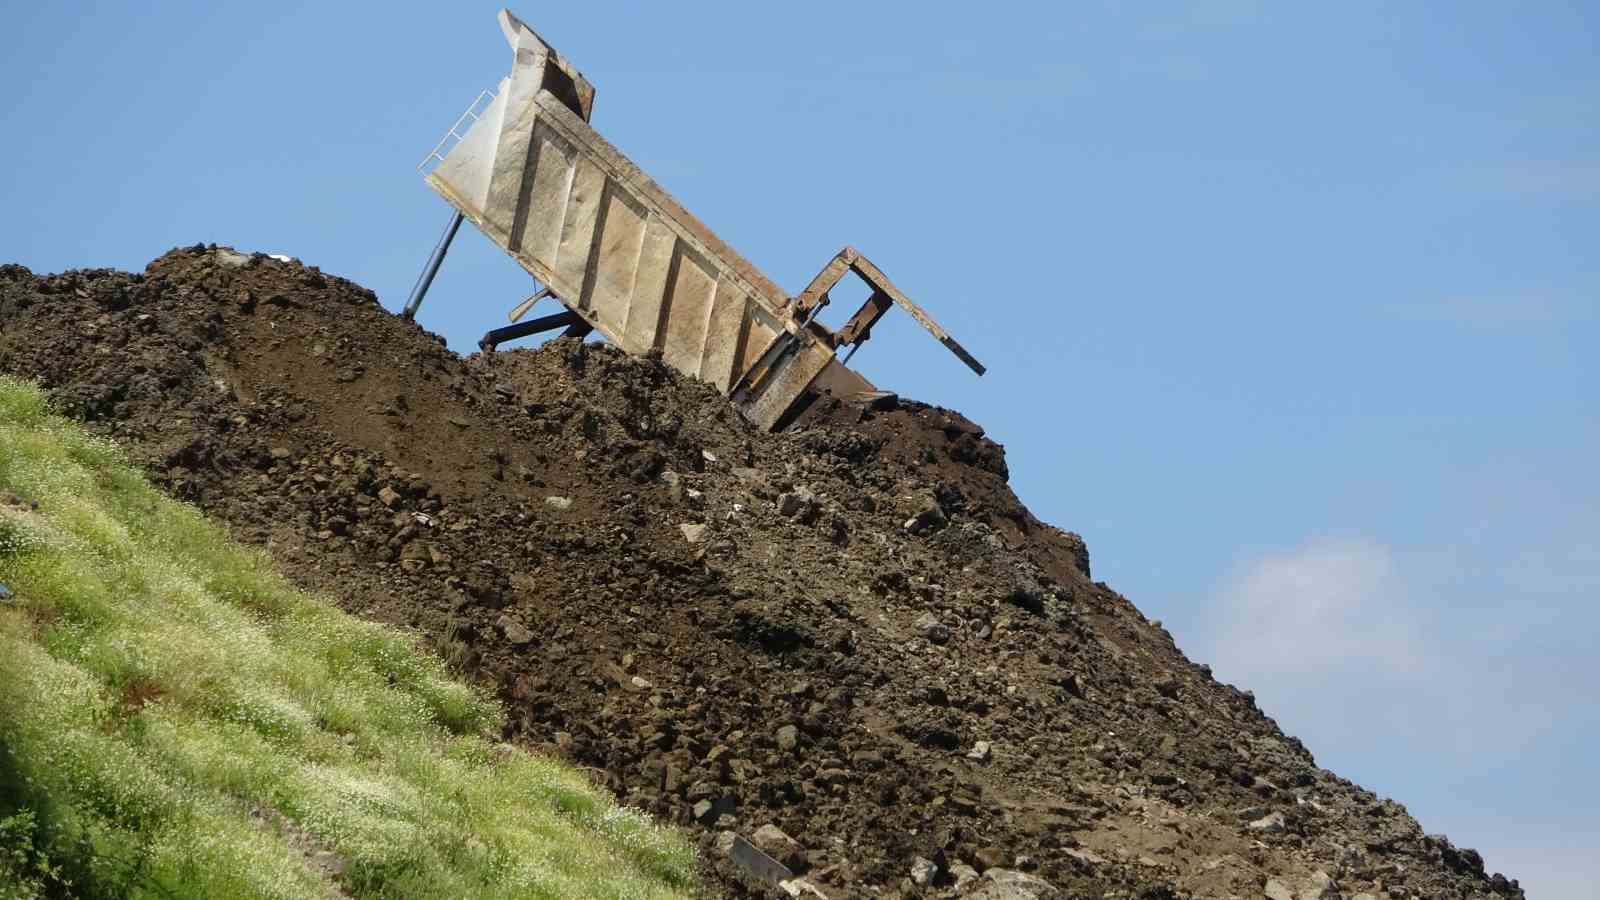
{"x": 852, "y": 631}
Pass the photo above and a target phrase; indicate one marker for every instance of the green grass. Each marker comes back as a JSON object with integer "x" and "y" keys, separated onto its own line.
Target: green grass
{"x": 177, "y": 721}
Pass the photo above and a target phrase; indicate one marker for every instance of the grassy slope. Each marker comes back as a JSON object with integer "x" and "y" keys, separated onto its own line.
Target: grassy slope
{"x": 176, "y": 720}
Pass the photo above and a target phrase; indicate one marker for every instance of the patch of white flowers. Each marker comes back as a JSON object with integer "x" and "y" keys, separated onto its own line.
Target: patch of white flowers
{"x": 168, "y": 683}
{"x": 18, "y": 535}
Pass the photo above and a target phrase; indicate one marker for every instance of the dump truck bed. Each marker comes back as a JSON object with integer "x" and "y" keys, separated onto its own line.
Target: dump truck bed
{"x": 617, "y": 250}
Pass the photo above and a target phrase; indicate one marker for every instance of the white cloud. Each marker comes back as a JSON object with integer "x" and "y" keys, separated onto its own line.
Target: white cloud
{"x": 1481, "y": 311}
{"x": 1330, "y": 641}
{"x": 1565, "y": 177}
{"x": 1353, "y": 647}
{"x": 1458, "y": 677}
{"x": 1310, "y": 607}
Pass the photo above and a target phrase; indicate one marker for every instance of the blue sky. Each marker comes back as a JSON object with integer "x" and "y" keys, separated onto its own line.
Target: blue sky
{"x": 1288, "y": 308}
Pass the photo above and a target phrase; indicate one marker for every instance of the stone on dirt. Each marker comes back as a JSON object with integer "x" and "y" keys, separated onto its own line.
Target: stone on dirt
{"x": 990, "y": 858}
{"x": 752, "y": 861}
{"x": 1321, "y": 886}
{"x": 1277, "y": 890}
{"x": 232, "y": 259}
{"x": 514, "y": 631}
{"x": 790, "y": 504}
{"x": 929, "y": 517}
{"x": 801, "y": 887}
{"x": 929, "y": 626}
{"x": 775, "y": 843}
{"x": 1271, "y": 823}
{"x": 1009, "y": 884}
{"x": 923, "y": 871}
{"x": 788, "y": 737}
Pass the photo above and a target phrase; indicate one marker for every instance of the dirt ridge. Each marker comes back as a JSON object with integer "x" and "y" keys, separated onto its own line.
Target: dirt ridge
{"x": 852, "y": 632}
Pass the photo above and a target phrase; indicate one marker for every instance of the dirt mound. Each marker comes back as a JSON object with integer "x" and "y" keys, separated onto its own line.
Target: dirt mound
{"x": 852, "y": 630}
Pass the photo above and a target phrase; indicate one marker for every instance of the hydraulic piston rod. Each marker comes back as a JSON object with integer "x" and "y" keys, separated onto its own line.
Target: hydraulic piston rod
{"x": 425, "y": 280}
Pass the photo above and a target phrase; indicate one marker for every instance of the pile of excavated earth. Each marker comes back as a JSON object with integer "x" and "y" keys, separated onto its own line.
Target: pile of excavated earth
{"x": 847, "y": 643}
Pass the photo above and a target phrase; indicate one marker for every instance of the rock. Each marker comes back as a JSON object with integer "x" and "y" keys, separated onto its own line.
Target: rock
{"x": 931, "y": 628}
{"x": 881, "y": 401}
{"x": 775, "y": 843}
{"x": 799, "y": 887}
{"x": 694, "y": 532}
{"x": 709, "y": 807}
{"x": 963, "y": 874}
{"x": 789, "y": 504}
{"x": 1009, "y": 884}
{"x": 558, "y": 503}
{"x": 389, "y": 497}
{"x": 923, "y": 871}
{"x": 1027, "y": 597}
{"x": 928, "y": 518}
{"x": 1088, "y": 856}
{"x": 640, "y": 683}
{"x": 990, "y": 858}
{"x": 279, "y": 453}
{"x": 1271, "y": 823}
{"x": 1320, "y": 886}
{"x": 231, "y": 259}
{"x": 1277, "y": 890}
{"x": 514, "y": 631}
{"x": 329, "y": 862}
{"x": 750, "y": 859}
{"x": 788, "y": 737}
{"x": 979, "y": 751}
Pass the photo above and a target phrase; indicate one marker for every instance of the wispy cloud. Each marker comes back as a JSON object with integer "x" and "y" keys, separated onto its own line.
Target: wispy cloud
{"x": 1485, "y": 310}
{"x": 1198, "y": 16}
{"x": 1445, "y": 650}
{"x": 1571, "y": 177}
{"x": 1330, "y": 626}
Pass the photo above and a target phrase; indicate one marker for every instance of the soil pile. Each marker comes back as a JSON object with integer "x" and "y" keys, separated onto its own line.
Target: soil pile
{"x": 847, "y": 642}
